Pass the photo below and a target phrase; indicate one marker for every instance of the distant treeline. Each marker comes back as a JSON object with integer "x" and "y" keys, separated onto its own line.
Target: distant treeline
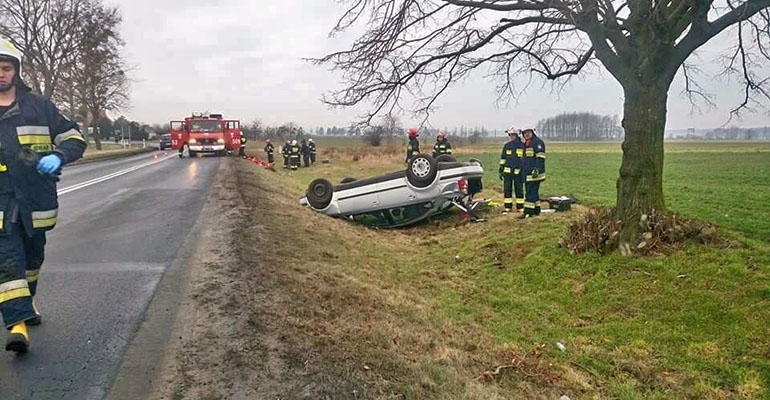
{"x": 580, "y": 126}
{"x": 735, "y": 133}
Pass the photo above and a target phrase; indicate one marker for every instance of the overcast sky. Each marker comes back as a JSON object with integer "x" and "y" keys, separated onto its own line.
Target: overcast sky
{"x": 243, "y": 58}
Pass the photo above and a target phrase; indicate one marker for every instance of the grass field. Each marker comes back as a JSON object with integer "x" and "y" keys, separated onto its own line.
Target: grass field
{"x": 724, "y": 183}
{"x": 465, "y": 299}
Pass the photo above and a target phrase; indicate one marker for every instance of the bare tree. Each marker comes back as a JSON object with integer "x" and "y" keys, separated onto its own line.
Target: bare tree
{"x": 257, "y": 127}
{"x": 49, "y": 33}
{"x": 418, "y": 48}
{"x": 391, "y": 127}
{"x": 99, "y": 75}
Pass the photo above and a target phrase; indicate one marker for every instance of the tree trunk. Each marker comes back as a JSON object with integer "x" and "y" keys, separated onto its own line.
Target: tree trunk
{"x": 94, "y": 123}
{"x": 640, "y": 186}
{"x": 97, "y": 138}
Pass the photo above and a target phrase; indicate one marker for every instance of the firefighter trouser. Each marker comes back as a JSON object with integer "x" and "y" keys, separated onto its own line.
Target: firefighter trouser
{"x": 270, "y": 158}
{"x": 242, "y": 151}
{"x": 286, "y": 161}
{"x": 532, "y": 199}
{"x": 306, "y": 160}
{"x": 312, "y": 158}
{"x": 294, "y": 162}
{"x": 511, "y": 183}
{"x": 20, "y": 260}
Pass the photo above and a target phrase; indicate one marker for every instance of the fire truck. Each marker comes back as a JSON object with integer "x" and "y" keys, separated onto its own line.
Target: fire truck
{"x": 204, "y": 133}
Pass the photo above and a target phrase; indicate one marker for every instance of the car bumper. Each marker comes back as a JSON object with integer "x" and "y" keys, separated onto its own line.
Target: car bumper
{"x": 204, "y": 148}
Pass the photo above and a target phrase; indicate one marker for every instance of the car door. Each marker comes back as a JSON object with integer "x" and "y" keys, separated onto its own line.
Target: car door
{"x": 359, "y": 199}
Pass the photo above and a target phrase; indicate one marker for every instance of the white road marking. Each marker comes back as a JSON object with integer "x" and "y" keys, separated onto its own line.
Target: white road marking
{"x": 109, "y": 176}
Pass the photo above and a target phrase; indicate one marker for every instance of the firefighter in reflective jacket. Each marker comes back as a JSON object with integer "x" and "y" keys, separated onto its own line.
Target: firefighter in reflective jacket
{"x": 286, "y": 151}
{"x": 533, "y": 165}
{"x": 442, "y": 145}
{"x": 269, "y": 149}
{"x": 242, "y": 149}
{"x": 510, "y": 171}
{"x": 35, "y": 142}
{"x": 311, "y": 144}
{"x": 294, "y": 154}
{"x": 413, "y": 148}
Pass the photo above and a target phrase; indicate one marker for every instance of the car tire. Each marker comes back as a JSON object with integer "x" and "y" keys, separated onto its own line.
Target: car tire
{"x": 445, "y": 158}
{"x": 319, "y": 193}
{"x": 348, "y": 180}
{"x": 422, "y": 170}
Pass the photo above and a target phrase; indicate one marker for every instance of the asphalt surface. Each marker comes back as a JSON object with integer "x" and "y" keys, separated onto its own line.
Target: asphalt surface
{"x": 121, "y": 224}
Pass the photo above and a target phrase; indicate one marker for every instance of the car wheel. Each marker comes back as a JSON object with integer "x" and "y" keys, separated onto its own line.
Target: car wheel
{"x": 348, "y": 180}
{"x": 476, "y": 161}
{"x": 445, "y": 158}
{"x": 421, "y": 171}
{"x": 319, "y": 193}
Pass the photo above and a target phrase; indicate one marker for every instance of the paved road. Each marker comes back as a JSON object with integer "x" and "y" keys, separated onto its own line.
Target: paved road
{"x": 104, "y": 259}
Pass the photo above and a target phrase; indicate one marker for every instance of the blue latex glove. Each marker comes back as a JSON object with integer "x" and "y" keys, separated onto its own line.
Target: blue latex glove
{"x": 49, "y": 164}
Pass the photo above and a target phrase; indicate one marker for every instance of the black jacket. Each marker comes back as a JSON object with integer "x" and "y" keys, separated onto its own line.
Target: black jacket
{"x": 31, "y": 129}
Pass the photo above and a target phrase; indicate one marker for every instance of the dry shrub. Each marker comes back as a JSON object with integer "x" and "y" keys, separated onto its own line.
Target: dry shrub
{"x": 661, "y": 232}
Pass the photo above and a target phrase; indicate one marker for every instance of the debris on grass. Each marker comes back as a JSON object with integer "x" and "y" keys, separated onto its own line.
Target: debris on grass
{"x": 662, "y": 232}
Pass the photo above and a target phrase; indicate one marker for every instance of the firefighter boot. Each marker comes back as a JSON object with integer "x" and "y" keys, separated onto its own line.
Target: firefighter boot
{"x": 18, "y": 339}
{"x": 38, "y": 318}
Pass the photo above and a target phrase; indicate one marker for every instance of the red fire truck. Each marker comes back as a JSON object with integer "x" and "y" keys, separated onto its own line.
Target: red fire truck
{"x": 205, "y": 133}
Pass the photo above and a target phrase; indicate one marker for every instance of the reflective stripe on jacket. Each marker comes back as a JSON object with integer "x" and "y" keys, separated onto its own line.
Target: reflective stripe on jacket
{"x": 31, "y": 129}
{"x": 511, "y": 156}
{"x": 534, "y": 158}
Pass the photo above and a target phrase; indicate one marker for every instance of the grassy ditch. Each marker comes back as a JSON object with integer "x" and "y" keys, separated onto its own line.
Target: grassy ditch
{"x": 498, "y": 310}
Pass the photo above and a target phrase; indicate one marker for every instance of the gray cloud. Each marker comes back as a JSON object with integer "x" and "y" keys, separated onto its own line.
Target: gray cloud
{"x": 244, "y": 58}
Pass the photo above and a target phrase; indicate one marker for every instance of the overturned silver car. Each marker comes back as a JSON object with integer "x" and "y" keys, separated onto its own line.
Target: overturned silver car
{"x": 427, "y": 187}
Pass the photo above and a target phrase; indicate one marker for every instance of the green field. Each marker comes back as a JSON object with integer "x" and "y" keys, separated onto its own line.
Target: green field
{"x": 724, "y": 183}
{"x": 690, "y": 325}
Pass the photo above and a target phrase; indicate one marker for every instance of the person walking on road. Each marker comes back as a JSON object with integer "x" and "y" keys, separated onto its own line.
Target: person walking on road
{"x": 510, "y": 171}
{"x": 35, "y": 142}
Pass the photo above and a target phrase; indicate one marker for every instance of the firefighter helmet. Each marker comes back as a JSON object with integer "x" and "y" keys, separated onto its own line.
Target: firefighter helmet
{"x": 294, "y": 142}
{"x": 441, "y": 135}
{"x": 9, "y": 52}
{"x": 267, "y": 140}
{"x": 512, "y": 131}
{"x": 413, "y": 133}
{"x": 310, "y": 140}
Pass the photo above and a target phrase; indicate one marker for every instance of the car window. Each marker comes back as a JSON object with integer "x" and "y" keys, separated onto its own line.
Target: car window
{"x": 396, "y": 216}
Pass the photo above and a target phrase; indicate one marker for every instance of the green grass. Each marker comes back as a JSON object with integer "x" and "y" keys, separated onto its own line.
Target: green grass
{"x": 724, "y": 183}
{"x": 691, "y": 325}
